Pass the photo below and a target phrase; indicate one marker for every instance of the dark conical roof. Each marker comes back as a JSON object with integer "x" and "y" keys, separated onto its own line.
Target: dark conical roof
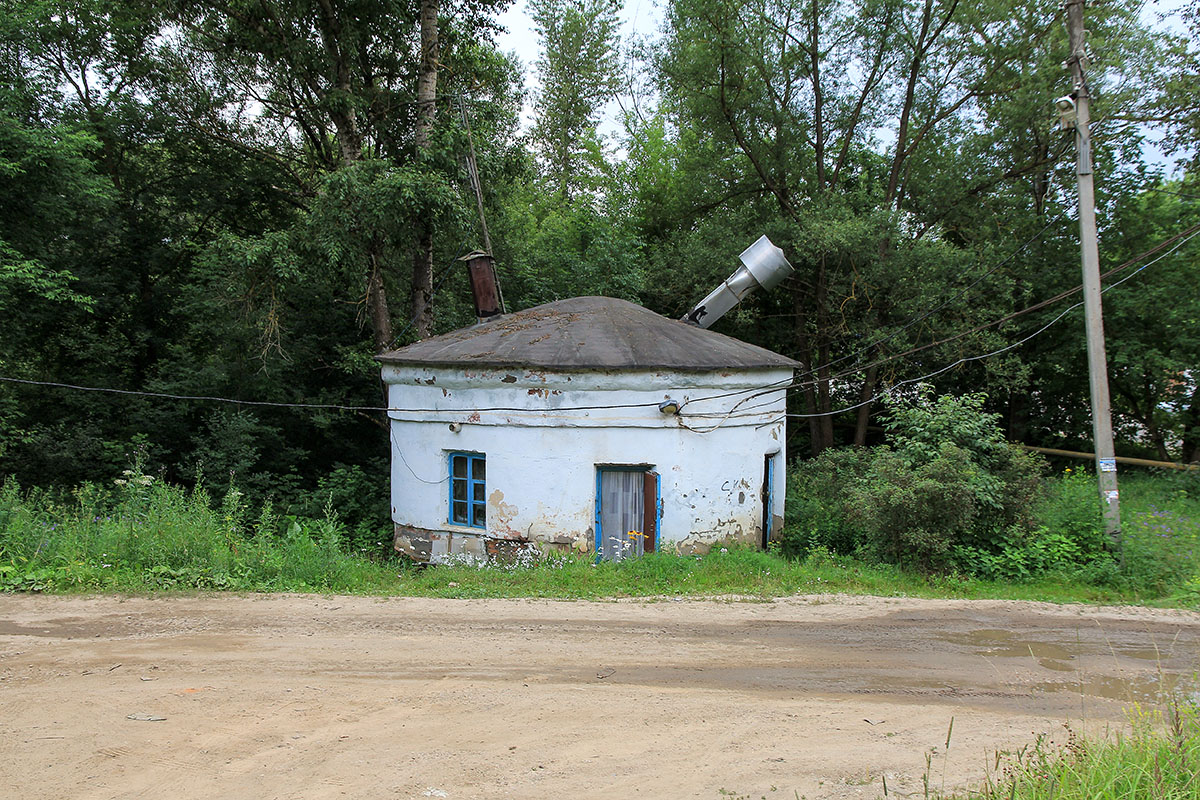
{"x": 588, "y": 333}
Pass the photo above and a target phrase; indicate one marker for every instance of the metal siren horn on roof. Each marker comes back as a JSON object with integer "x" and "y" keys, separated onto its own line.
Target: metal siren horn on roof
{"x": 763, "y": 266}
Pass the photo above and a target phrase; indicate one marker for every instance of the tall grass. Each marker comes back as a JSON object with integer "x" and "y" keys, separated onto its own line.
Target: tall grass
{"x": 1158, "y": 758}
{"x": 1161, "y": 534}
{"x": 140, "y": 534}
{"x": 144, "y": 534}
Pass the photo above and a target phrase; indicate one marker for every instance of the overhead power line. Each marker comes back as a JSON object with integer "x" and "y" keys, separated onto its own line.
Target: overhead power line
{"x": 1183, "y": 195}
{"x": 316, "y": 406}
{"x": 1006, "y": 348}
{"x": 788, "y": 384}
{"x": 1182, "y": 239}
{"x": 798, "y": 384}
{"x": 190, "y": 397}
{"x": 913, "y": 320}
{"x": 1186, "y": 236}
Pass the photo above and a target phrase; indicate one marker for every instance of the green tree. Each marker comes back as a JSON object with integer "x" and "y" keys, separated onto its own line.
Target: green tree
{"x": 180, "y": 215}
{"x": 893, "y": 149}
{"x": 1176, "y": 107}
{"x": 1152, "y": 340}
{"x": 578, "y": 72}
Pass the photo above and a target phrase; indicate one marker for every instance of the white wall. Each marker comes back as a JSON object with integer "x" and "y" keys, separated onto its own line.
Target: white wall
{"x": 543, "y": 439}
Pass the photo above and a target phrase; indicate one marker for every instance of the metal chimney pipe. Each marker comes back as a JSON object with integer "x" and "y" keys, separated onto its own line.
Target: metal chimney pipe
{"x": 485, "y": 289}
{"x": 763, "y": 265}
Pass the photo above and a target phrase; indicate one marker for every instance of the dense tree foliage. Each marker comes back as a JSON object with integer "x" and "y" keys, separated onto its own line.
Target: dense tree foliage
{"x": 252, "y": 199}
{"x": 578, "y": 75}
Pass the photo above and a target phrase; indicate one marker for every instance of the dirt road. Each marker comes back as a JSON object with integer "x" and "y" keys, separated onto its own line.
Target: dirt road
{"x": 329, "y": 697}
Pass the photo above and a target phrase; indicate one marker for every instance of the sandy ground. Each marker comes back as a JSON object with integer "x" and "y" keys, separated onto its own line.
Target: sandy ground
{"x": 301, "y": 696}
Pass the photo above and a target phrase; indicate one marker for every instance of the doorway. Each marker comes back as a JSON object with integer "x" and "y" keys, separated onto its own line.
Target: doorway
{"x": 768, "y": 499}
{"x": 627, "y": 512}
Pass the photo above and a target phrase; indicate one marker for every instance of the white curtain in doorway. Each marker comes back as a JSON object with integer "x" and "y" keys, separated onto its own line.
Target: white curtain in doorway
{"x": 621, "y": 512}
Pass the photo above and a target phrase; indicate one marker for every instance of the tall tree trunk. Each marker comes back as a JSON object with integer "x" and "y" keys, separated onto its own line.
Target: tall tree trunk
{"x": 864, "y": 410}
{"x": 1018, "y": 416}
{"x": 825, "y": 405}
{"x": 814, "y": 54}
{"x": 825, "y": 402}
{"x": 1191, "y": 429}
{"x": 350, "y": 142}
{"x": 807, "y": 384}
{"x": 1141, "y": 408}
{"x": 1150, "y": 403}
{"x": 350, "y": 146}
{"x": 906, "y": 109}
{"x": 422, "y": 274}
{"x": 377, "y": 304}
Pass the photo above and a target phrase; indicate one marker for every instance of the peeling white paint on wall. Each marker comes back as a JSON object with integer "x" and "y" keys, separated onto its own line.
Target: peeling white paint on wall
{"x": 545, "y": 433}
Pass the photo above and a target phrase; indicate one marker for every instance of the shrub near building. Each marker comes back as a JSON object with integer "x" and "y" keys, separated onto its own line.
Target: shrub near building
{"x": 947, "y": 492}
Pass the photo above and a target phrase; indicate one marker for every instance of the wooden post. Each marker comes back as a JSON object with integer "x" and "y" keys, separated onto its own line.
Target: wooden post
{"x": 1106, "y": 465}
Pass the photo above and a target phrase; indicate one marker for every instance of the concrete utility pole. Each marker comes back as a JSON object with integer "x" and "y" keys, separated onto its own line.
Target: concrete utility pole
{"x": 1106, "y": 465}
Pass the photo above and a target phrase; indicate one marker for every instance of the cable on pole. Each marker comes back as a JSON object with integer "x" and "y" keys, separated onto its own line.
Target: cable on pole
{"x": 926, "y": 314}
{"x": 788, "y": 384}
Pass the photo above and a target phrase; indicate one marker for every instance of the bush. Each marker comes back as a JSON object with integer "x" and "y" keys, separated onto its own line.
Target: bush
{"x": 360, "y": 497}
{"x": 143, "y": 533}
{"x": 1071, "y": 507}
{"x": 1068, "y": 537}
{"x": 946, "y": 492}
{"x": 816, "y": 508}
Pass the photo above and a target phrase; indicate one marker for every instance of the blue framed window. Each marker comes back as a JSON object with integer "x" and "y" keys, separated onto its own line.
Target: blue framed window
{"x": 468, "y": 487}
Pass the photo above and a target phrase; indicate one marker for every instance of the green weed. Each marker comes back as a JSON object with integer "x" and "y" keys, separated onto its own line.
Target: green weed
{"x": 140, "y": 534}
{"x": 144, "y": 535}
{"x": 1157, "y": 758}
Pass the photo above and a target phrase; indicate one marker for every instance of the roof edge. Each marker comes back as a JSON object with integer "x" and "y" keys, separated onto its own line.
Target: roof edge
{"x": 786, "y": 364}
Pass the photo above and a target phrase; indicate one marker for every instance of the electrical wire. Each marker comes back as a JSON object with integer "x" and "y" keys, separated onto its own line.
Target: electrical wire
{"x": 925, "y": 315}
{"x": 782, "y": 383}
{"x": 797, "y": 382}
{"x": 1183, "y": 195}
{"x": 191, "y": 397}
{"x": 396, "y": 448}
{"x": 1182, "y": 238}
{"x": 788, "y": 384}
{"x": 333, "y": 406}
{"x": 316, "y": 406}
{"x": 1185, "y": 235}
{"x": 1008, "y": 347}
{"x": 940, "y": 370}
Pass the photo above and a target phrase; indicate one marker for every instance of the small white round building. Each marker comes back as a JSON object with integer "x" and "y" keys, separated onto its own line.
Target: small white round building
{"x": 589, "y": 423}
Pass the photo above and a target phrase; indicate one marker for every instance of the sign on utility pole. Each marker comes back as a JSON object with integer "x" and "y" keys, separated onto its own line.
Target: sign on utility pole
{"x": 1077, "y": 101}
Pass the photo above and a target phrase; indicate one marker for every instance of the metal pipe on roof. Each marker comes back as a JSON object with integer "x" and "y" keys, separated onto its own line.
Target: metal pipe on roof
{"x": 763, "y": 266}
{"x": 485, "y": 289}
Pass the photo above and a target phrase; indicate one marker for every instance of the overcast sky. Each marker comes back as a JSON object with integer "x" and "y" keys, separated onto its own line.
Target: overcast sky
{"x": 644, "y": 17}
{"x": 638, "y": 17}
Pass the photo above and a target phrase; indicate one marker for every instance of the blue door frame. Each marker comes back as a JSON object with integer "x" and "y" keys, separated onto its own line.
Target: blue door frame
{"x": 768, "y": 498}
{"x": 658, "y": 509}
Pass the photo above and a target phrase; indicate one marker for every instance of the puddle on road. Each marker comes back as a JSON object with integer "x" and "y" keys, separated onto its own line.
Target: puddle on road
{"x": 1139, "y": 689}
{"x": 1145, "y": 653}
{"x": 64, "y": 628}
{"x": 1128, "y": 688}
{"x": 1006, "y": 644}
